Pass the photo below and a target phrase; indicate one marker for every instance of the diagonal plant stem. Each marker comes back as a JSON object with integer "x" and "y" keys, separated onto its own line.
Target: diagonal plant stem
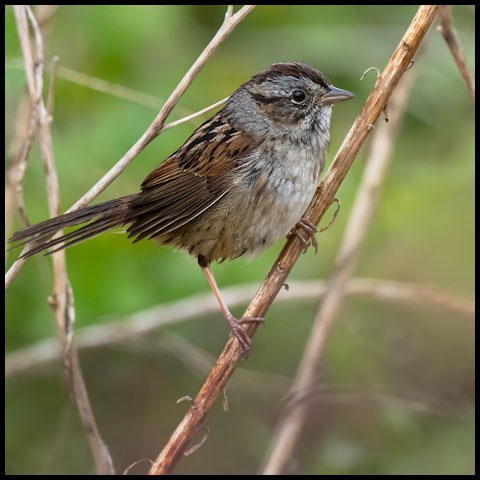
{"x": 34, "y": 76}
{"x": 194, "y": 115}
{"x": 294, "y": 414}
{"x": 14, "y": 161}
{"x": 106, "y": 86}
{"x": 62, "y": 302}
{"x": 229, "y": 358}
{"x": 450, "y": 35}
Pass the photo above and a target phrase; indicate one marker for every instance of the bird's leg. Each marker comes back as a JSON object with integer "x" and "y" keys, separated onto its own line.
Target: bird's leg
{"x": 235, "y": 324}
{"x": 310, "y": 229}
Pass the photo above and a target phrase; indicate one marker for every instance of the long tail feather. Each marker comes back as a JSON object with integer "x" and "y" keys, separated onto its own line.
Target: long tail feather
{"x": 105, "y": 216}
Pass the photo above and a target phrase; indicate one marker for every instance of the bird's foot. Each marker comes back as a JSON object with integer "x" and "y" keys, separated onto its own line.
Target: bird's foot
{"x": 305, "y": 225}
{"x": 240, "y": 333}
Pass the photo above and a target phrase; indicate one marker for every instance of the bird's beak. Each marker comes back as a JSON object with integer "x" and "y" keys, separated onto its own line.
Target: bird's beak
{"x": 335, "y": 95}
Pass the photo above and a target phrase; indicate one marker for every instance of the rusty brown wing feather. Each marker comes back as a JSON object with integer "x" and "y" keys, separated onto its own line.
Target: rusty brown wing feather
{"x": 190, "y": 181}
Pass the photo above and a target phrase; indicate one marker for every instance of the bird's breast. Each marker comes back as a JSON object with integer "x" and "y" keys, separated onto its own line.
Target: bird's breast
{"x": 278, "y": 188}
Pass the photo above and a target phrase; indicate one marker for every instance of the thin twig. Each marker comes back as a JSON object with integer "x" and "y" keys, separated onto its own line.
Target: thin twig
{"x": 51, "y": 88}
{"x": 128, "y": 93}
{"x": 25, "y": 129}
{"x": 101, "y": 85}
{"x": 194, "y": 115}
{"x": 63, "y": 299}
{"x": 105, "y": 86}
{"x": 34, "y": 91}
{"x": 293, "y": 418}
{"x": 231, "y": 21}
{"x": 110, "y": 88}
{"x": 450, "y": 35}
{"x": 275, "y": 280}
{"x": 101, "y": 454}
{"x": 14, "y": 161}
{"x": 337, "y": 394}
{"x": 43, "y": 14}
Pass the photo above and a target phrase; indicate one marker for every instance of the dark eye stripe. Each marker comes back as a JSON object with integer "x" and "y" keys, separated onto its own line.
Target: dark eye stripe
{"x": 263, "y": 99}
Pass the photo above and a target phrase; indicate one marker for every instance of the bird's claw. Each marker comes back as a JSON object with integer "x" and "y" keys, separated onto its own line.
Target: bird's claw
{"x": 241, "y": 334}
{"x": 307, "y": 226}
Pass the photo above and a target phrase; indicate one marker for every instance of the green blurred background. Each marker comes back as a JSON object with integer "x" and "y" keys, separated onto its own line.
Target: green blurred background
{"x": 402, "y": 376}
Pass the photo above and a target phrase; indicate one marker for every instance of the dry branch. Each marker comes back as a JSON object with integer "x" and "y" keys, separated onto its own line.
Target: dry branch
{"x": 34, "y": 74}
{"x": 62, "y": 302}
{"x": 274, "y": 281}
{"x": 292, "y": 419}
{"x": 15, "y": 163}
{"x": 450, "y": 35}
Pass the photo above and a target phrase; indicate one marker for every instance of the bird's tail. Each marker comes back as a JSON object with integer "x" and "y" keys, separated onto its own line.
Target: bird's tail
{"x": 102, "y": 217}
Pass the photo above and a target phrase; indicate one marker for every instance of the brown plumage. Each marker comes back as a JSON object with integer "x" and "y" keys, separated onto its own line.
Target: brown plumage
{"x": 238, "y": 184}
{"x": 190, "y": 181}
{"x": 177, "y": 191}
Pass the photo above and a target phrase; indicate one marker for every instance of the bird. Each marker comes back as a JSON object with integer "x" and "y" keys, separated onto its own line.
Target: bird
{"x": 239, "y": 184}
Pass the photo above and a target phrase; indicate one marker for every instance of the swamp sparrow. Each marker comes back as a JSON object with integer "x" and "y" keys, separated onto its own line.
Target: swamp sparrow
{"x": 238, "y": 185}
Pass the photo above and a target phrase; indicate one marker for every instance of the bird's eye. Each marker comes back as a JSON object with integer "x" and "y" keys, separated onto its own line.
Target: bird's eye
{"x": 298, "y": 96}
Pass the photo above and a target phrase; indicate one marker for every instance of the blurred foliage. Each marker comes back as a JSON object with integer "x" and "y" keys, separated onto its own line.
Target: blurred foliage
{"x": 406, "y": 372}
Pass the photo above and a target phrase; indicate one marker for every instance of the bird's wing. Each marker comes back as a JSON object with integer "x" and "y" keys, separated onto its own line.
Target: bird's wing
{"x": 190, "y": 181}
